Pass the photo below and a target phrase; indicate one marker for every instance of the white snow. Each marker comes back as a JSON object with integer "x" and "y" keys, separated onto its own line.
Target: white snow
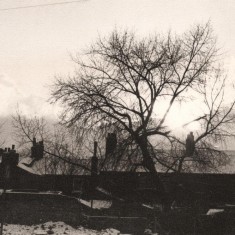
{"x": 57, "y": 228}
{"x": 26, "y": 168}
{"x": 214, "y": 211}
{"x": 96, "y": 204}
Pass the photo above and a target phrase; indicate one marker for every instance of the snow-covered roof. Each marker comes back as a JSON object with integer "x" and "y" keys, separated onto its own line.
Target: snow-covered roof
{"x": 27, "y": 161}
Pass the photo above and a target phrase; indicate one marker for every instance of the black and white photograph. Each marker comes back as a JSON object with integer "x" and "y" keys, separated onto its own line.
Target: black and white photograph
{"x": 117, "y": 117}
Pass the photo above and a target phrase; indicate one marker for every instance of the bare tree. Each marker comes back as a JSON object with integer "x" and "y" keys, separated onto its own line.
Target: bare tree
{"x": 3, "y": 139}
{"x": 121, "y": 81}
{"x": 62, "y": 153}
{"x": 216, "y": 125}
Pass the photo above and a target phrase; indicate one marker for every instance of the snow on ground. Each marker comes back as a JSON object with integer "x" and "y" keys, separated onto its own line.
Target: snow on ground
{"x": 214, "y": 211}
{"x": 56, "y": 228}
{"x": 96, "y": 204}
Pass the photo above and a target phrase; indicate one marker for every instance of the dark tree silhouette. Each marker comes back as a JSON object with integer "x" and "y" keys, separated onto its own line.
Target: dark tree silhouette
{"x": 121, "y": 81}
{"x": 62, "y": 153}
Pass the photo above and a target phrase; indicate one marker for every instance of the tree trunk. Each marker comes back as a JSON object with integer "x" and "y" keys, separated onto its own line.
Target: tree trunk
{"x": 181, "y": 162}
{"x": 149, "y": 164}
{"x": 180, "y": 166}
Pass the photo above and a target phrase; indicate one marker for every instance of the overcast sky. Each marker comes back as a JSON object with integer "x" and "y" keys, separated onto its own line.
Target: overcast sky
{"x": 35, "y": 43}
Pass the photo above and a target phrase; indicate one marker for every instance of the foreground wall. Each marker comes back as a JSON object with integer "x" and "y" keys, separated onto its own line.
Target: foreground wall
{"x": 25, "y": 208}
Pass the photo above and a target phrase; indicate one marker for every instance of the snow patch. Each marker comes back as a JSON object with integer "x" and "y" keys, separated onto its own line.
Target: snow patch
{"x": 58, "y": 228}
{"x": 26, "y": 161}
{"x": 96, "y": 204}
{"x": 214, "y": 211}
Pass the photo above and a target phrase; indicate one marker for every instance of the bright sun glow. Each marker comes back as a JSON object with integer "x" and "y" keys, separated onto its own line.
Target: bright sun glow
{"x": 180, "y": 118}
